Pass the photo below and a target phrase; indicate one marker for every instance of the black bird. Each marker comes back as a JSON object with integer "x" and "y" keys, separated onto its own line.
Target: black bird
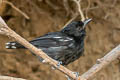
{"x": 66, "y": 45}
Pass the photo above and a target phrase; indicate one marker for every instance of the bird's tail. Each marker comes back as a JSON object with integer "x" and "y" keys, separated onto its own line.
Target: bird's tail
{"x": 14, "y": 45}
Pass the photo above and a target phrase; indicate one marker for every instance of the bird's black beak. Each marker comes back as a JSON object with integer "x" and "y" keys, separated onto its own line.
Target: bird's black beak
{"x": 86, "y": 22}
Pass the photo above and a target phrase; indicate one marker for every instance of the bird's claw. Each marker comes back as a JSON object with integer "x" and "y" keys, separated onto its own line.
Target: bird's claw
{"x": 59, "y": 63}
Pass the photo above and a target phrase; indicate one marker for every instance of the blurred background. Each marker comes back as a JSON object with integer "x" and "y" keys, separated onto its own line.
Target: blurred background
{"x": 103, "y": 34}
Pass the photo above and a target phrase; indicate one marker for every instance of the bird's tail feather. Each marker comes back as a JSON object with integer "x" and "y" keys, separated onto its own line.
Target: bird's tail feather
{"x": 14, "y": 45}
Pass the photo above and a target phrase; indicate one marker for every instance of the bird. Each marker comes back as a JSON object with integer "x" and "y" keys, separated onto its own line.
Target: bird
{"x": 66, "y": 45}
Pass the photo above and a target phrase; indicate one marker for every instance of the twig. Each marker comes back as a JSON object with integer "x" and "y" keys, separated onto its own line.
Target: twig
{"x": 79, "y": 9}
{"x": 101, "y": 63}
{"x": 9, "y": 78}
{"x": 17, "y": 9}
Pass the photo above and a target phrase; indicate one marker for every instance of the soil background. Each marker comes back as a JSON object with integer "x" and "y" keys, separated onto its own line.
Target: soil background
{"x": 103, "y": 34}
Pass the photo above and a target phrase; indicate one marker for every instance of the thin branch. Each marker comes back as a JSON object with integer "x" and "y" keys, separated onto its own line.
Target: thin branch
{"x": 17, "y": 9}
{"x": 101, "y": 63}
{"x": 10, "y": 78}
{"x": 79, "y": 9}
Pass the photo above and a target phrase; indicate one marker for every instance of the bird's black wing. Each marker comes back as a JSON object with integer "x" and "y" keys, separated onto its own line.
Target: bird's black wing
{"x": 54, "y": 44}
{"x": 52, "y": 40}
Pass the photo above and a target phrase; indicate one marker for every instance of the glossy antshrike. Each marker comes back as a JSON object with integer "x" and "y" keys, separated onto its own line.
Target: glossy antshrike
{"x": 66, "y": 45}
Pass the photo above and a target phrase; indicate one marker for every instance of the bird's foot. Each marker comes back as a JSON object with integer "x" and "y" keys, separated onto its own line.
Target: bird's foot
{"x": 59, "y": 63}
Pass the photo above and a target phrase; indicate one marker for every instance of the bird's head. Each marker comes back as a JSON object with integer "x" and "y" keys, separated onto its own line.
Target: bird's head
{"x": 76, "y": 28}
